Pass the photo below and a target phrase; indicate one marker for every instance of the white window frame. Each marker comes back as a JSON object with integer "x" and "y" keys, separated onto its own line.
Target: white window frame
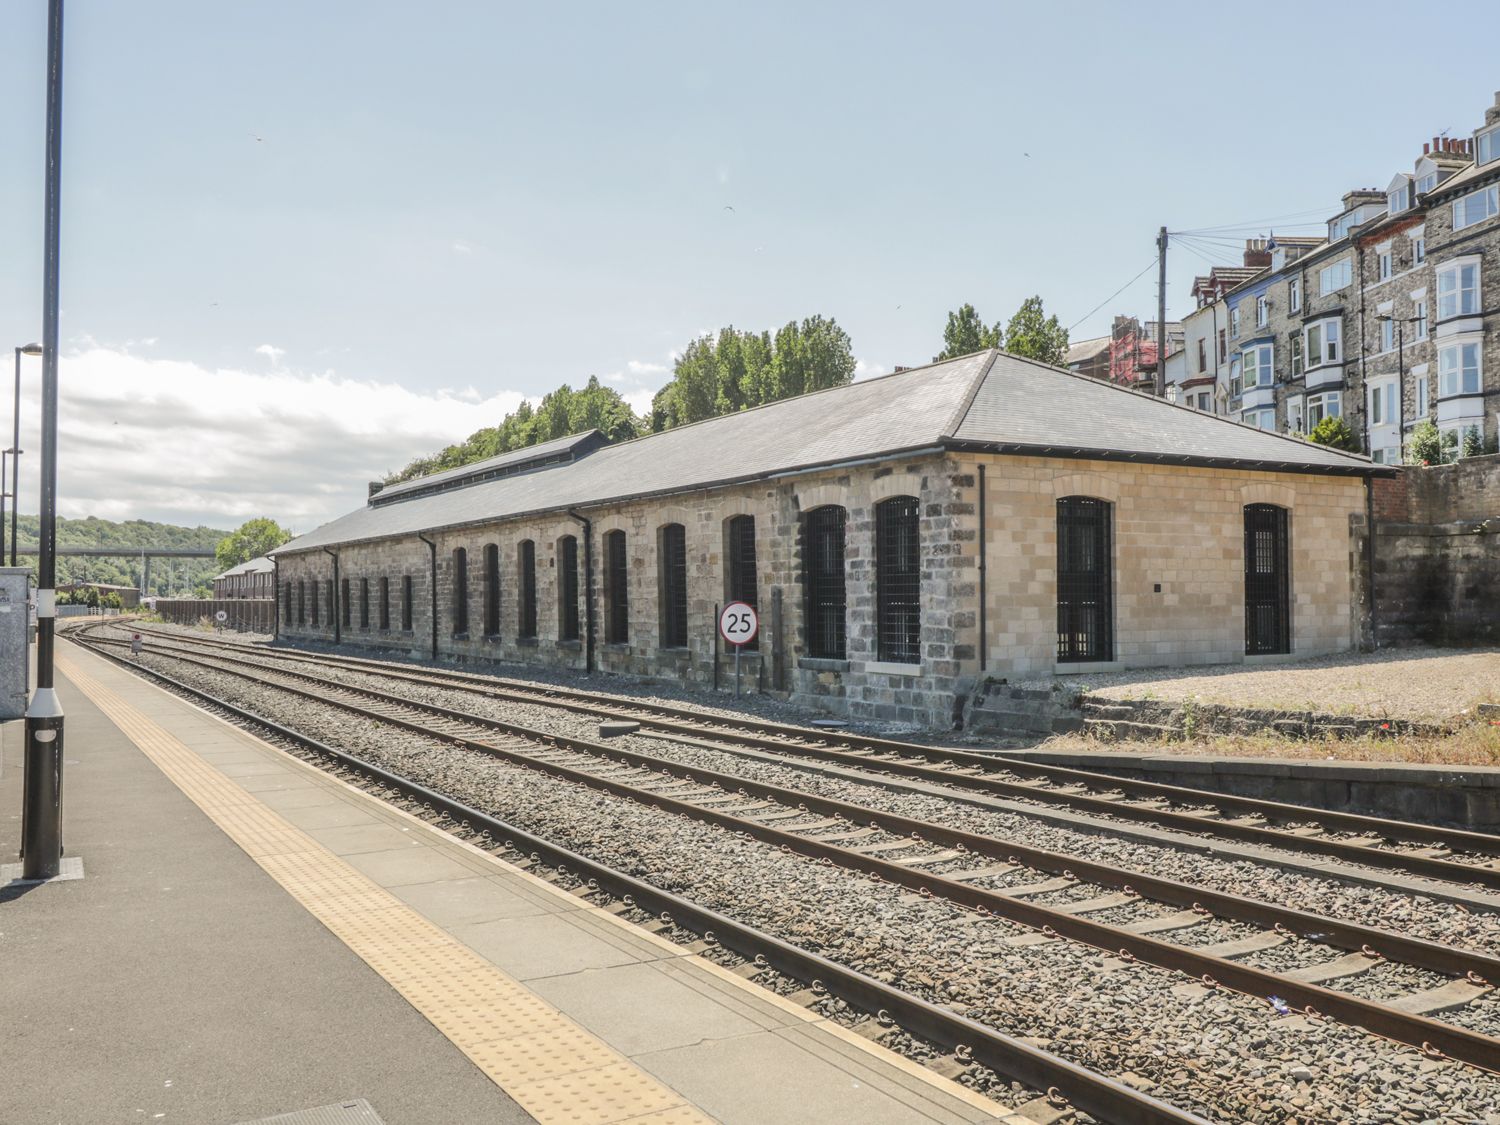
{"x": 1419, "y": 316}
{"x": 1294, "y": 295}
{"x": 1330, "y": 345}
{"x": 1427, "y": 182}
{"x": 1234, "y": 376}
{"x": 1418, "y": 249}
{"x": 1476, "y": 207}
{"x": 1258, "y": 360}
{"x": 1381, "y": 402}
{"x": 1487, "y": 145}
{"x": 1458, "y": 429}
{"x": 1329, "y": 404}
{"x": 1455, "y": 368}
{"x": 1335, "y": 276}
{"x": 1423, "y": 391}
{"x": 1294, "y": 415}
{"x": 1262, "y": 418}
{"x": 1456, "y": 299}
{"x": 1386, "y": 266}
{"x": 1396, "y": 201}
{"x": 1234, "y": 323}
{"x": 1262, "y": 308}
{"x": 1387, "y": 335}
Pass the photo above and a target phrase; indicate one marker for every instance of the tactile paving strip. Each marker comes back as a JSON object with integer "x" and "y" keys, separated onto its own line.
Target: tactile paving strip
{"x": 555, "y": 1069}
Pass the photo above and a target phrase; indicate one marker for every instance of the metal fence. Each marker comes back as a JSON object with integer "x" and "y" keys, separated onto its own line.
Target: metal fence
{"x": 245, "y": 615}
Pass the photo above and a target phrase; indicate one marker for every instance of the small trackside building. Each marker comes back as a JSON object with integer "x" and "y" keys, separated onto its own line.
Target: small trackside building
{"x": 901, "y": 538}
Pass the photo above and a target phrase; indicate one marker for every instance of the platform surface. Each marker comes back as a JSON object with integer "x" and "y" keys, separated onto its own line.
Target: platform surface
{"x": 252, "y": 938}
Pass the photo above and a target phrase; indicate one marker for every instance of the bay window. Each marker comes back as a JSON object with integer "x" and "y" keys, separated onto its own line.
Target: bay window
{"x": 1382, "y": 404}
{"x": 1323, "y": 338}
{"x": 1327, "y": 405}
{"x": 1335, "y": 277}
{"x": 1476, "y": 207}
{"x": 1458, "y": 369}
{"x": 1256, "y": 367}
{"x": 1488, "y": 146}
{"x": 1458, "y": 289}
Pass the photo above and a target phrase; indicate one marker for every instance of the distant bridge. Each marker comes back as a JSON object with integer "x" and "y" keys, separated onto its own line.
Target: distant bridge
{"x": 145, "y": 554}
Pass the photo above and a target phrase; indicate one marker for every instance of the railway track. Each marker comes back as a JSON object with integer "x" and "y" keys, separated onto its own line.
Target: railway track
{"x": 1062, "y": 1084}
{"x": 962, "y": 868}
{"x": 1427, "y": 851}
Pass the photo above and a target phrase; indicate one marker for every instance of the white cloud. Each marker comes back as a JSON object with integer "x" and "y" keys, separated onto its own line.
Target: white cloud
{"x": 461, "y": 247}
{"x": 160, "y": 439}
{"x": 271, "y": 352}
{"x": 639, "y": 369}
{"x": 640, "y": 401}
{"x": 864, "y": 369}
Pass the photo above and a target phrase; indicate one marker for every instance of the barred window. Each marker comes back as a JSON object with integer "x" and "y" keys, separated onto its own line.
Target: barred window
{"x": 491, "y": 590}
{"x": 823, "y": 578}
{"x": 348, "y": 606}
{"x": 1085, "y": 594}
{"x": 526, "y": 580}
{"x": 616, "y": 589}
{"x": 567, "y": 588}
{"x": 898, "y": 579}
{"x": 385, "y": 602}
{"x": 739, "y": 575}
{"x": 301, "y": 602}
{"x": 672, "y": 579}
{"x": 460, "y": 591}
{"x": 313, "y": 609}
{"x": 289, "y": 603}
{"x": 364, "y": 603}
{"x": 406, "y": 602}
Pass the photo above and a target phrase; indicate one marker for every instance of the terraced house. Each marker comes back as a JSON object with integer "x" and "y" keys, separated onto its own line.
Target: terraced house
{"x": 902, "y": 538}
{"x": 1383, "y": 322}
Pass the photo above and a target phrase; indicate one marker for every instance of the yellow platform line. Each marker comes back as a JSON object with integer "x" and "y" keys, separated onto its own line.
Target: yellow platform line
{"x": 554, "y": 1069}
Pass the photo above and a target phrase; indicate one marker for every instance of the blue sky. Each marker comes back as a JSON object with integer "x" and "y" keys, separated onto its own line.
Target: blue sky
{"x": 383, "y": 224}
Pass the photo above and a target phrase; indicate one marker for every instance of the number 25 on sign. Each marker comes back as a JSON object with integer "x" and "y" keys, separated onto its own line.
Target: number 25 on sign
{"x": 738, "y": 626}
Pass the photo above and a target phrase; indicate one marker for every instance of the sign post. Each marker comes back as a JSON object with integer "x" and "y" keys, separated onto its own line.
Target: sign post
{"x": 738, "y": 625}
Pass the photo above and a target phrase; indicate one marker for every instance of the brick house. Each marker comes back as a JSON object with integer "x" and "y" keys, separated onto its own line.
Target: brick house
{"x": 253, "y": 579}
{"x": 901, "y": 537}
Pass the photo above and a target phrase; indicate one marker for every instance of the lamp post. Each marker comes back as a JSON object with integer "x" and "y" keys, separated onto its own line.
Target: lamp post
{"x": 15, "y": 444}
{"x": 41, "y": 832}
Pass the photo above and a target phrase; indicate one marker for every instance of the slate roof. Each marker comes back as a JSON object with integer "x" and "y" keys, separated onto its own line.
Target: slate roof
{"x": 986, "y": 401}
{"x": 573, "y": 444}
{"x": 254, "y": 566}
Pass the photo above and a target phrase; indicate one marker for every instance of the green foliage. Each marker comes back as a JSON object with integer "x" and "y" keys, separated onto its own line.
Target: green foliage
{"x": 1426, "y": 445}
{"x": 169, "y": 577}
{"x": 1033, "y": 334}
{"x": 112, "y": 600}
{"x": 1449, "y": 448}
{"x": 736, "y": 370}
{"x": 562, "y": 412}
{"x": 1335, "y": 433}
{"x": 967, "y": 334}
{"x": 1473, "y": 443}
{"x": 250, "y": 540}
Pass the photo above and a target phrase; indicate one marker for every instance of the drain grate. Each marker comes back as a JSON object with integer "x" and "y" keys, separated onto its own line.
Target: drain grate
{"x": 356, "y": 1112}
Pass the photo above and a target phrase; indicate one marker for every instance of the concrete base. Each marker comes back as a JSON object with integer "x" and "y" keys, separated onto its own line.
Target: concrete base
{"x": 1465, "y": 797}
{"x": 11, "y": 874}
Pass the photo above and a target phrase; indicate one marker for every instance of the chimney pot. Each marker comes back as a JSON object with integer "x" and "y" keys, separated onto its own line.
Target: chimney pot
{"x": 1424, "y": 150}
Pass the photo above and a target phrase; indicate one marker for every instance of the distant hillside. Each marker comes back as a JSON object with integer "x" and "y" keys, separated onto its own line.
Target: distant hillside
{"x": 168, "y": 576}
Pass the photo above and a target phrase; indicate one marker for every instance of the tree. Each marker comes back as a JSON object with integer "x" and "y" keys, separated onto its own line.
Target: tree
{"x": 1035, "y": 335}
{"x": 1426, "y": 445}
{"x": 1473, "y": 443}
{"x": 966, "y": 334}
{"x": 252, "y": 539}
{"x": 1336, "y": 434}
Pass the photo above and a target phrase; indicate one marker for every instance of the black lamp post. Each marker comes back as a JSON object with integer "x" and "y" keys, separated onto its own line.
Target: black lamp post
{"x": 15, "y": 445}
{"x": 41, "y": 832}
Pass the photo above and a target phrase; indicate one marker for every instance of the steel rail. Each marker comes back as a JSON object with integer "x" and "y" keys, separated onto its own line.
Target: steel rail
{"x": 1415, "y": 1030}
{"x": 700, "y": 723}
{"x": 1369, "y": 856}
{"x": 1084, "y": 1089}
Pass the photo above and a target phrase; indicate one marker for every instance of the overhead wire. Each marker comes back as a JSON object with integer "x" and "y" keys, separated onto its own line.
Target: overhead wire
{"x": 1149, "y": 265}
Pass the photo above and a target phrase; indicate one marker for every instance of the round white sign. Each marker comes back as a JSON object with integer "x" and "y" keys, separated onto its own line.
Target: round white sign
{"x": 221, "y": 616}
{"x": 738, "y": 623}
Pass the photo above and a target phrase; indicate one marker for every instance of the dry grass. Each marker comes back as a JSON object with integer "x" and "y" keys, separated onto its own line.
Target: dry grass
{"x": 1477, "y": 744}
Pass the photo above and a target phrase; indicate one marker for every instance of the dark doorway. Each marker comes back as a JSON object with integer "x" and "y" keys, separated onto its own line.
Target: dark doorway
{"x": 1085, "y": 588}
{"x": 1268, "y": 617}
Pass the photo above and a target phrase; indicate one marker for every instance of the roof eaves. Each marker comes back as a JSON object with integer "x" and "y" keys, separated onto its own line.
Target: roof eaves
{"x": 1301, "y": 468}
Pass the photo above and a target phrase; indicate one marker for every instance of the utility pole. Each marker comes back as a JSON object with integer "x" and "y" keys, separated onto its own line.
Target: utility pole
{"x": 1161, "y": 315}
{"x": 41, "y": 831}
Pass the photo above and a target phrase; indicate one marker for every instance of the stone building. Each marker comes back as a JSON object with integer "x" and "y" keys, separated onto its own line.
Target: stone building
{"x": 901, "y": 538}
{"x": 253, "y": 579}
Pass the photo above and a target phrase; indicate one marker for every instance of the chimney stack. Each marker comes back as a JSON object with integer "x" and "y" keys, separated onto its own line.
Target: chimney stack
{"x": 376, "y": 486}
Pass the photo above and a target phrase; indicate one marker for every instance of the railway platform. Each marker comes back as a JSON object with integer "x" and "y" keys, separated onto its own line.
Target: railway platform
{"x": 254, "y": 939}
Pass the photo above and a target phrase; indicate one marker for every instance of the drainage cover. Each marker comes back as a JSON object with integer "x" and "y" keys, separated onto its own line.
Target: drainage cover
{"x": 356, "y": 1112}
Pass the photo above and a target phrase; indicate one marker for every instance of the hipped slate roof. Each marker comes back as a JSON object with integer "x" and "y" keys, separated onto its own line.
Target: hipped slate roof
{"x": 989, "y": 401}
{"x": 258, "y": 565}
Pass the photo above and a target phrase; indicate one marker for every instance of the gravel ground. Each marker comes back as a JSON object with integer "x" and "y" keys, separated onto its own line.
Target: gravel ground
{"x": 1211, "y": 1051}
{"x": 1402, "y": 913}
{"x": 1409, "y": 683}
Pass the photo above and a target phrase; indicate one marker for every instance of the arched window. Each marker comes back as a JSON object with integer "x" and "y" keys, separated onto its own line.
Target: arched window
{"x": 385, "y": 602}
{"x": 526, "y": 586}
{"x": 364, "y": 603}
{"x": 616, "y": 589}
{"x": 739, "y": 573}
{"x": 1085, "y": 581}
{"x": 567, "y": 588}
{"x": 823, "y": 578}
{"x": 348, "y": 606}
{"x": 301, "y": 602}
{"x": 671, "y": 558}
{"x": 460, "y": 591}
{"x": 289, "y": 609}
{"x": 491, "y": 590}
{"x": 1268, "y": 617}
{"x": 406, "y": 607}
{"x": 313, "y": 610}
{"x": 898, "y": 580}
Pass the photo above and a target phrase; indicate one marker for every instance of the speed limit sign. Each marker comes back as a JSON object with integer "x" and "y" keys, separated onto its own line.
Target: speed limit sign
{"x": 738, "y": 623}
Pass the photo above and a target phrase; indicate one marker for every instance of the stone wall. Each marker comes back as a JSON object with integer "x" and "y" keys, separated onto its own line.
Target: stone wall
{"x": 1437, "y": 554}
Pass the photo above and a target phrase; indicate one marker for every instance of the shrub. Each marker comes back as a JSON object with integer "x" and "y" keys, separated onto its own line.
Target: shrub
{"x": 1473, "y": 443}
{"x": 1335, "y": 433}
{"x": 1426, "y": 445}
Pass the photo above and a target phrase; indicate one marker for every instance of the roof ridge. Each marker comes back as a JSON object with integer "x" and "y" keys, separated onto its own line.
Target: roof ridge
{"x": 967, "y": 404}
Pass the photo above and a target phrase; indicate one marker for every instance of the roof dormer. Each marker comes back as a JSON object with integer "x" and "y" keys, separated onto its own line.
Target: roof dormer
{"x": 1398, "y": 195}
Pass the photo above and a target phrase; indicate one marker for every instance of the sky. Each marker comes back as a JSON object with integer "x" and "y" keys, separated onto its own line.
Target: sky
{"x": 306, "y": 242}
